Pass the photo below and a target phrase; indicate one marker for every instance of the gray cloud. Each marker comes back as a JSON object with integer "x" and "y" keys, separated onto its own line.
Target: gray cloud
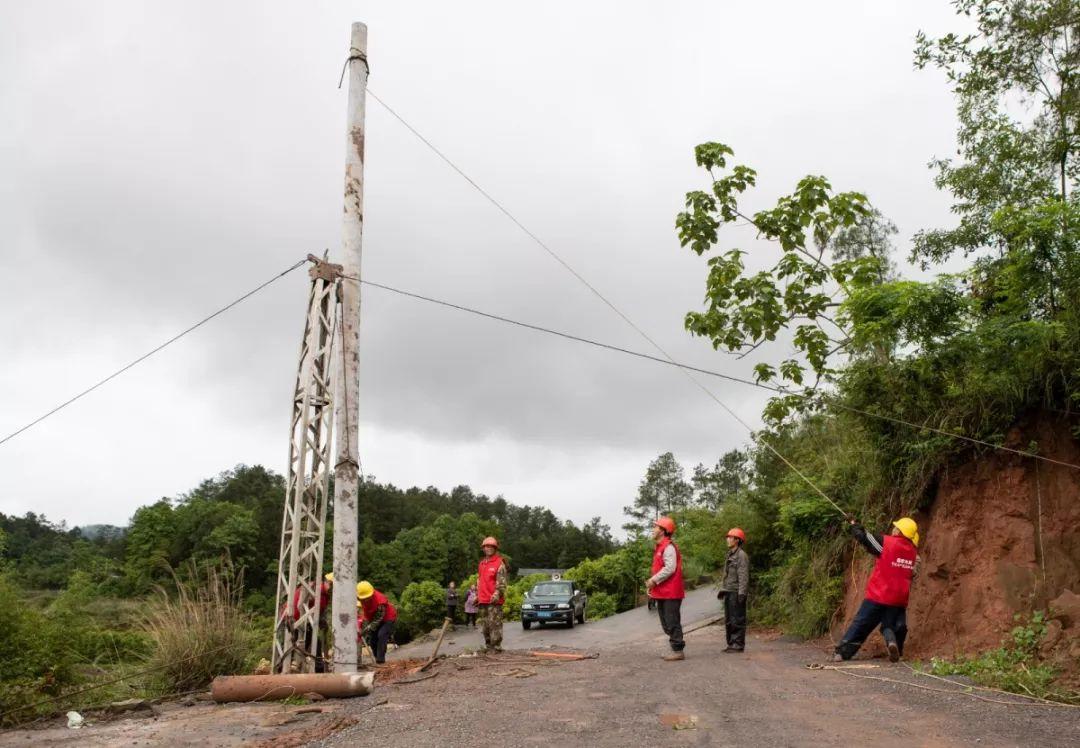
{"x": 161, "y": 160}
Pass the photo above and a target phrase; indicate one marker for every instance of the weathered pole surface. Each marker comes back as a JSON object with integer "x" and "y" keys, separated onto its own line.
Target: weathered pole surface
{"x": 347, "y": 412}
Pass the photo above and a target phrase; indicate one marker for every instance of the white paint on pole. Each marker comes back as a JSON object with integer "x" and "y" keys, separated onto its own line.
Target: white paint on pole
{"x": 347, "y": 412}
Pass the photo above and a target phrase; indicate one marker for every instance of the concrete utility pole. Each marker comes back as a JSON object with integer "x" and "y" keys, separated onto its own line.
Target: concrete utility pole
{"x": 347, "y": 412}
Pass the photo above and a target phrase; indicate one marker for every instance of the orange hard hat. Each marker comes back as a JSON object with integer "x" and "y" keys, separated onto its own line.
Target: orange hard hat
{"x": 667, "y": 524}
{"x": 490, "y": 541}
{"x": 736, "y": 532}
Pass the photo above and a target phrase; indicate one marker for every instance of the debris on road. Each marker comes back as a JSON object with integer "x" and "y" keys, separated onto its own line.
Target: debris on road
{"x": 679, "y": 721}
{"x": 425, "y": 676}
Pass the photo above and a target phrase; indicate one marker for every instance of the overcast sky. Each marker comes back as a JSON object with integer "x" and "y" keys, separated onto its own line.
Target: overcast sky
{"x": 159, "y": 159}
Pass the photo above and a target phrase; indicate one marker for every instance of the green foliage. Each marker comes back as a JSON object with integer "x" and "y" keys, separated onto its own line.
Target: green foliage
{"x": 1013, "y": 667}
{"x": 723, "y": 482}
{"x": 601, "y": 605}
{"x": 422, "y": 608}
{"x": 663, "y": 490}
{"x": 35, "y": 662}
{"x": 620, "y": 574}
{"x": 1018, "y": 51}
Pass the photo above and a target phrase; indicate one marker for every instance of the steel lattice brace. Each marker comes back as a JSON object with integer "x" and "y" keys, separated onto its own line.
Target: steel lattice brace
{"x": 296, "y": 640}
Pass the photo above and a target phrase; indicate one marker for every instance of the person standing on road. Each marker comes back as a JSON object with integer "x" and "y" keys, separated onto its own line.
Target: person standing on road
{"x": 886, "y": 598}
{"x": 451, "y": 604}
{"x": 735, "y": 587}
{"x": 490, "y": 593}
{"x": 470, "y": 607}
{"x": 376, "y": 619}
{"x": 666, "y": 586}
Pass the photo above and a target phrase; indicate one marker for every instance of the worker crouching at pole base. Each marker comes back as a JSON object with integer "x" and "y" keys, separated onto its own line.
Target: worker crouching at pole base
{"x": 887, "y": 590}
{"x": 376, "y": 619}
{"x": 733, "y": 592}
{"x": 490, "y": 593}
{"x": 666, "y": 586}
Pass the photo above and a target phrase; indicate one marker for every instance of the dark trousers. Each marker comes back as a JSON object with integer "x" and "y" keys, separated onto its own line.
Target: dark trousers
{"x": 893, "y": 621}
{"x": 378, "y": 640}
{"x": 470, "y": 619}
{"x": 671, "y": 621}
{"x": 451, "y": 613}
{"x": 735, "y": 620}
{"x": 320, "y": 665}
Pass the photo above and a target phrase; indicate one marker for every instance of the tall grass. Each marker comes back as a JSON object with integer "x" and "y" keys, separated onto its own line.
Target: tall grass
{"x": 200, "y": 631}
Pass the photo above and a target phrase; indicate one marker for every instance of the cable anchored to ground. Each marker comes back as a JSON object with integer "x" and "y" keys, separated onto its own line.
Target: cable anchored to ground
{"x": 150, "y": 353}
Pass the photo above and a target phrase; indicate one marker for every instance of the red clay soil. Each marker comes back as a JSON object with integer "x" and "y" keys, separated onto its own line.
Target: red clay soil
{"x": 1001, "y": 537}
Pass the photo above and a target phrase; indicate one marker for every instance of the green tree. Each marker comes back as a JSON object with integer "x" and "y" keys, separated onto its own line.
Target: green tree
{"x": 725, "y": 480}
{"x": 149, "y": 538}
{"x": 1009, "y": 159}
{"x": 663, "y": 490}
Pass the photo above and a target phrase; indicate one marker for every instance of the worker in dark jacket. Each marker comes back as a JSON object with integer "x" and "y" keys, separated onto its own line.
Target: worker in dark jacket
{"x": 451, "y": 604}
{"x": 376, "y": 620}
{"x": 734, "y": 590}
{"x": 887, "y": 591}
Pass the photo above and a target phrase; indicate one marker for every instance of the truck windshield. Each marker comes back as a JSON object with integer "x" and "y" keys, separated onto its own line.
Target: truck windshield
{"x": 551, "y": 588}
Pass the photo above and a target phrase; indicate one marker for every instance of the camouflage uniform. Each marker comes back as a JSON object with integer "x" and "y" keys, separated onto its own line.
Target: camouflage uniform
{"x": 491, "y": 616}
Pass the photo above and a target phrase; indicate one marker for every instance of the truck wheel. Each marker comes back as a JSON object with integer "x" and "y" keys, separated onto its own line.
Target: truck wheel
{"x": 526, "y": 625}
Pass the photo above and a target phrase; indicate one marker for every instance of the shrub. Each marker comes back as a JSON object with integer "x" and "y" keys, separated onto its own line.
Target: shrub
{"x": 200, "y": 632}
{"x": 35, "y": 661}
{"x": 600, "y": 605}
{"x": 422, "y": 608}
{"x": 1013, "y": 667}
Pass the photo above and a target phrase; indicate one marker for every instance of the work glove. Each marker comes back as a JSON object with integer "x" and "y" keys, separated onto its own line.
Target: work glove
{"x": 720, "y": 594}
{"x": 742, "y": 599}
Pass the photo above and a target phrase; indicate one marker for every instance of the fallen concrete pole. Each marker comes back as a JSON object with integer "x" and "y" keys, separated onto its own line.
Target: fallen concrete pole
{"x": 271, "y": 687}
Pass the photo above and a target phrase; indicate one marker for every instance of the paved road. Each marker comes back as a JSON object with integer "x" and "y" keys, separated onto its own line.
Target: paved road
{"x": 627, "y": 696}
{"x": 634, "y": 625}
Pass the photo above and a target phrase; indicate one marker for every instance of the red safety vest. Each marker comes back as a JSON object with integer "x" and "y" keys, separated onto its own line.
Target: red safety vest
{"x": 890, "y": 581}
{"x": 672, "y": 587}
{"x": 324, "y": 598}
{"x": 485, "y": 580}
{"x": 369, "y": 605}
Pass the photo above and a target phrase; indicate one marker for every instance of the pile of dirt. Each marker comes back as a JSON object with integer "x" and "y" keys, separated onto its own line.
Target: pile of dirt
{"x": 1001, "y": 537}
{"x": 394, "y": 670}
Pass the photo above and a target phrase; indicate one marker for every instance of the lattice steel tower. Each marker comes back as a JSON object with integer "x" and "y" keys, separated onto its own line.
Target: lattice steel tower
{"x": 303, "y": 527}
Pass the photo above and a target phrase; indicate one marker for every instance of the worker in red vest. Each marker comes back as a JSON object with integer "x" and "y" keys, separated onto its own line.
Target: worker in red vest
{"x": 293, "y": 613}
{"x": 666, "y": 586}
{"x": 887, "y": 591}
{"x": 375, "y": 622}
{"x": 491, "y": 584}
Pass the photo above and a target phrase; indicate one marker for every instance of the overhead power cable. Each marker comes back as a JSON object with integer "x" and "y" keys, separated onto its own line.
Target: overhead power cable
{"x": 709, "y": 372}
{"x": 558, "y": 258}
{"x": 150, "y": 353}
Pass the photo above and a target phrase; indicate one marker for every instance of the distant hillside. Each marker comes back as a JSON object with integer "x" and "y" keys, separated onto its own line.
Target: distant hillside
{"x": 101, "y": 532}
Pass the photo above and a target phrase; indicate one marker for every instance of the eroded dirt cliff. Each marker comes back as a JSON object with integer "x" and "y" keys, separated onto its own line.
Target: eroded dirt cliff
{"x": 1001, "y": 537}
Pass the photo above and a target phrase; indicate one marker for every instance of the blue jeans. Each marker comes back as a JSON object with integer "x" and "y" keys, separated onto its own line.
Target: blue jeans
{"x": 893, "y": 621}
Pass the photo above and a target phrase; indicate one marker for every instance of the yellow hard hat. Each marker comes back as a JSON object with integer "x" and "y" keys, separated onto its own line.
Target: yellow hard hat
{"x": 329, "y": 576}
{"x": 908, "y": 528}
{"x": 364, "y": 590}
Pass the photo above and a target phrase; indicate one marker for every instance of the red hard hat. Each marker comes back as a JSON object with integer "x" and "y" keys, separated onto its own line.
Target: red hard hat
{"x": 667, "y": 524}
{"x": 735, "y": 532}
{"x": 490, "y": 541}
